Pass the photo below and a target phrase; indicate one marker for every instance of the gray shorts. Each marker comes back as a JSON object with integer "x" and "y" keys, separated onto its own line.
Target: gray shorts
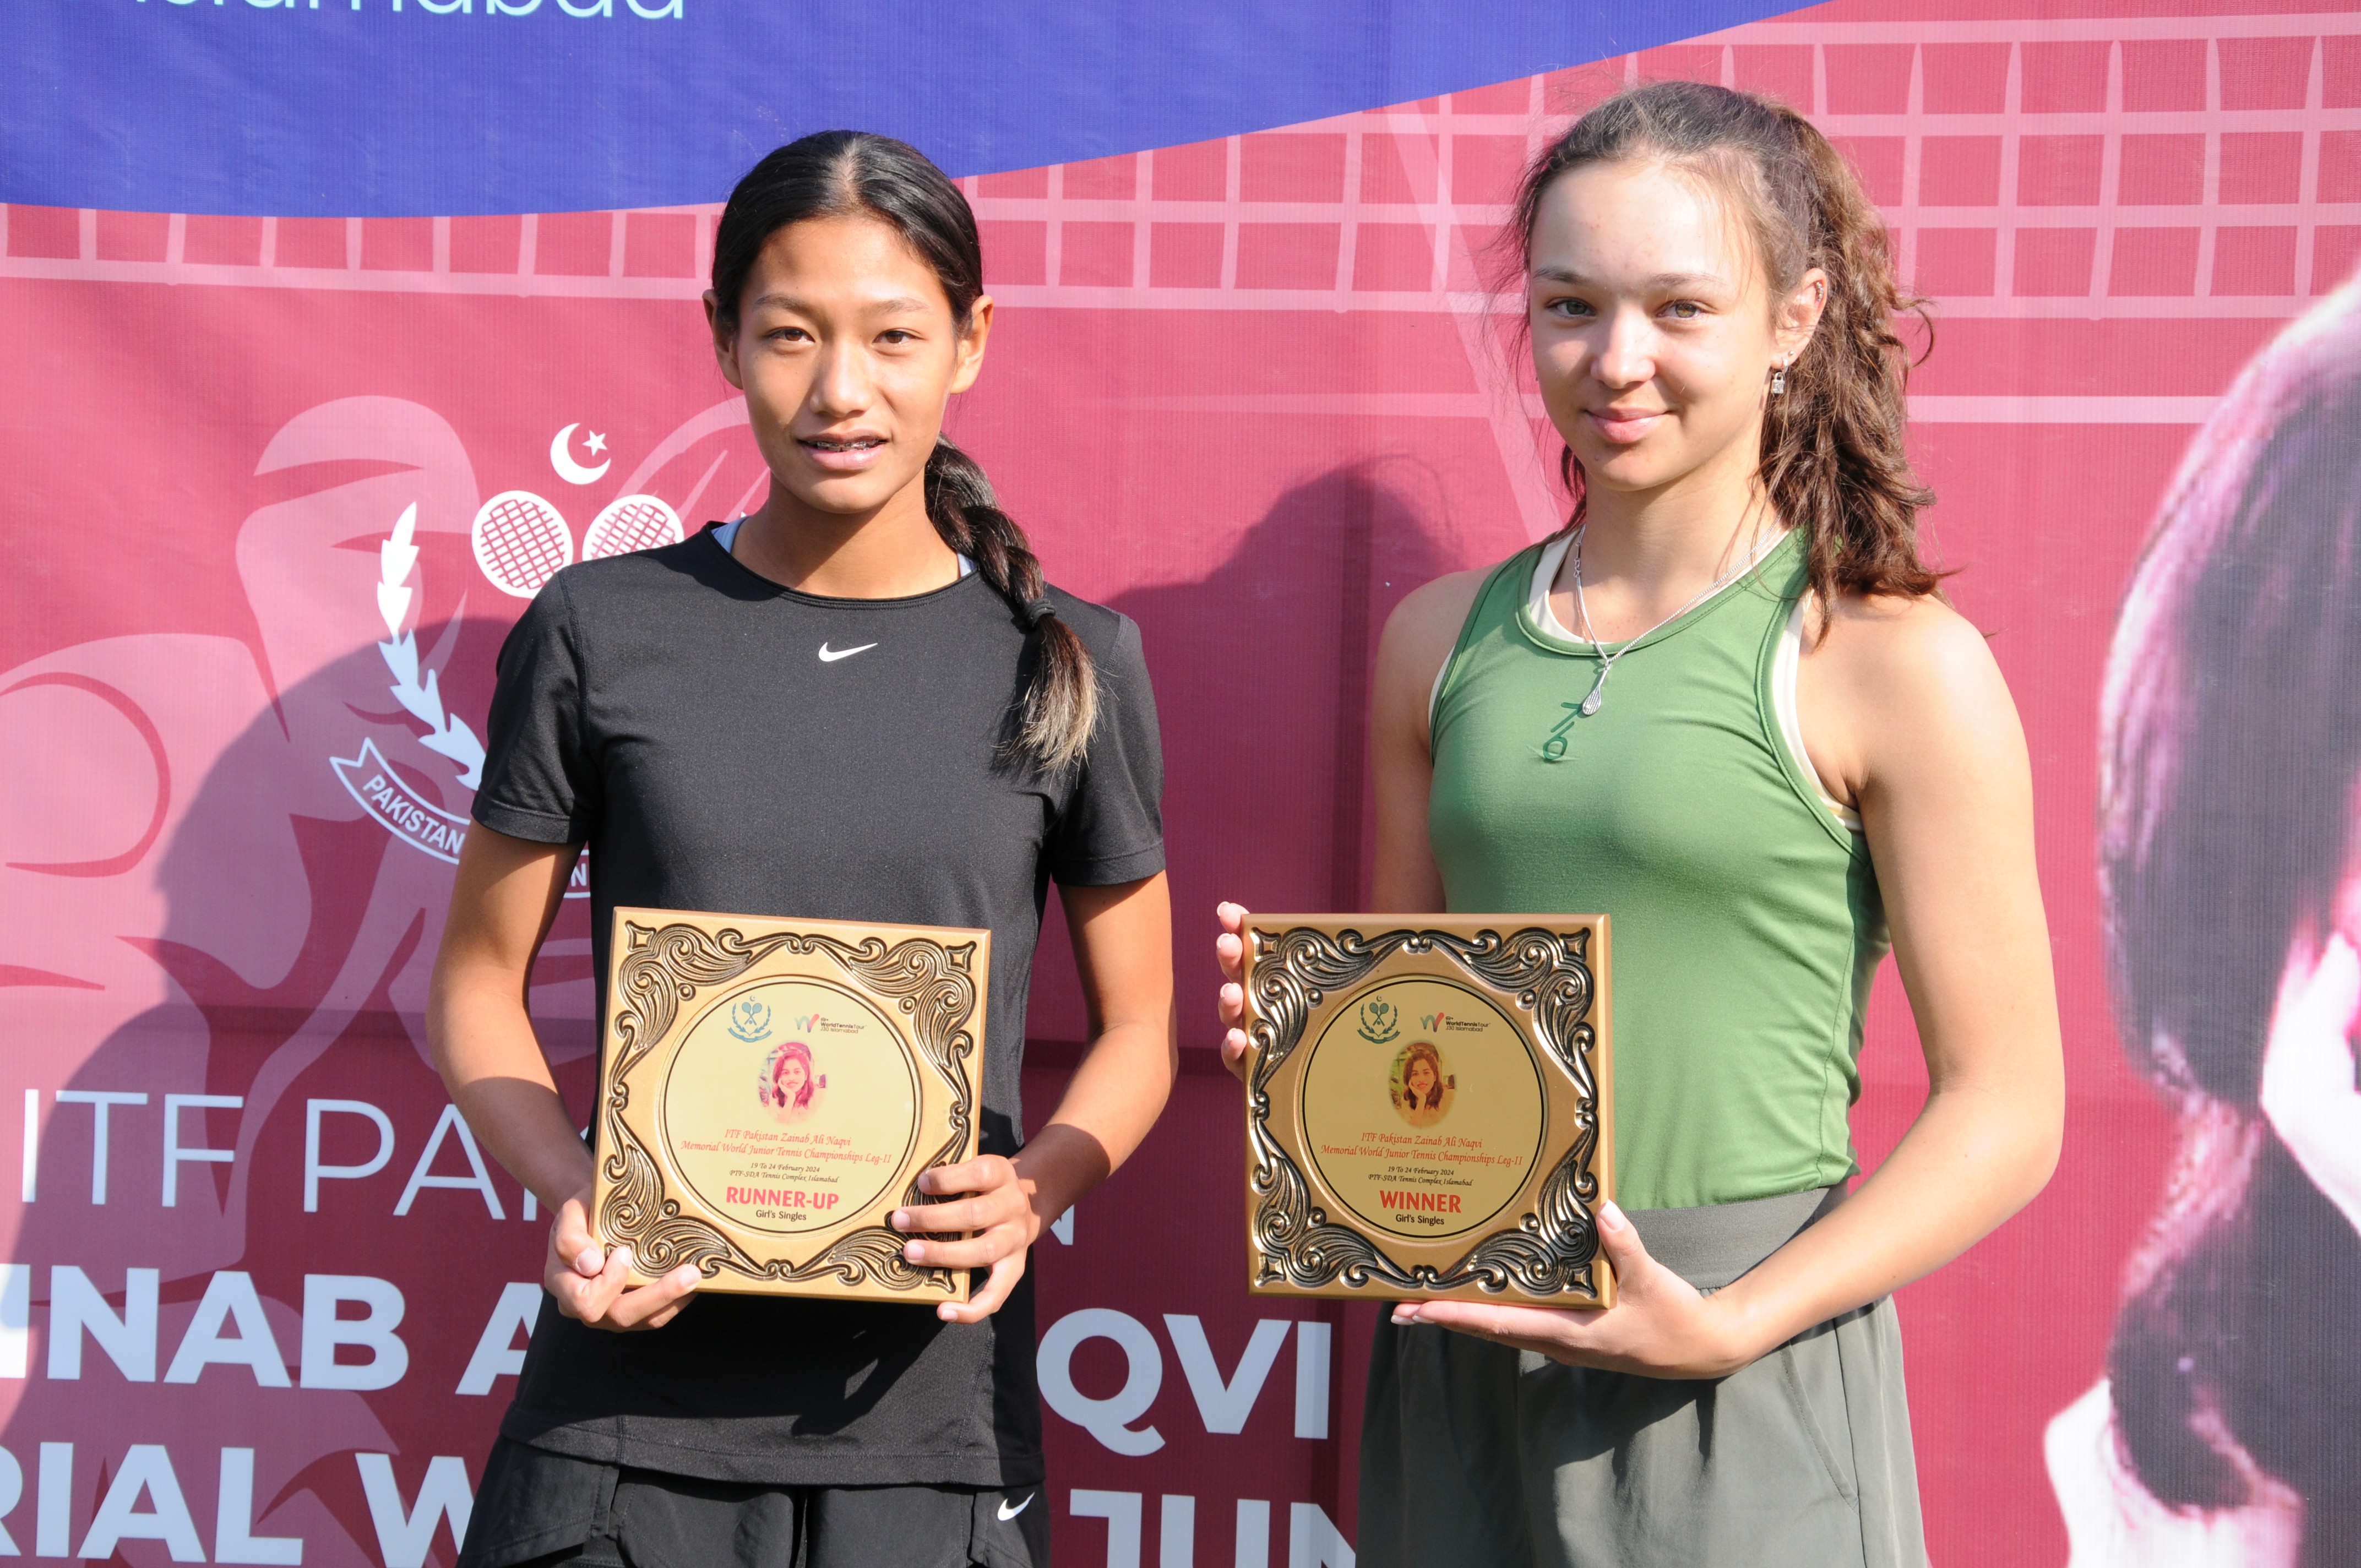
{"x": 543, "y": 1509}
{"x": 1476, "y": 1454}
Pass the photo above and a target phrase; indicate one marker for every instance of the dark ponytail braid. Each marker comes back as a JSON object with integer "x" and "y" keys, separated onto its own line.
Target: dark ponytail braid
{"x": 832, "y": 174}
{"x": 1061, "y": 704}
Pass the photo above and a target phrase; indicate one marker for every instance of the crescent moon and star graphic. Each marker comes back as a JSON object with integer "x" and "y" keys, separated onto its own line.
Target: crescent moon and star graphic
{"x": 561, "y": 457}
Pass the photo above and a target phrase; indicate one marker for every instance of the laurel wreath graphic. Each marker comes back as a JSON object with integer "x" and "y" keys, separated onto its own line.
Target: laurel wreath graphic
{"x": 448, "y": 733}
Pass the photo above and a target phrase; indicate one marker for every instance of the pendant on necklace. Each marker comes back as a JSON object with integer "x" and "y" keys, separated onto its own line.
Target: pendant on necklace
{"x": 1597, "y": 696}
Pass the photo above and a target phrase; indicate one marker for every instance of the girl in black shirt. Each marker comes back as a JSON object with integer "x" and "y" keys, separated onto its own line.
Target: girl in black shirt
{"x": 860, "y": 702}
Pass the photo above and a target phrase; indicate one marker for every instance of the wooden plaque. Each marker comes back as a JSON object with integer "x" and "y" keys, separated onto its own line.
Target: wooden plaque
{"x": 1429, "y": 1107}
{"x": 770, "y": 1089}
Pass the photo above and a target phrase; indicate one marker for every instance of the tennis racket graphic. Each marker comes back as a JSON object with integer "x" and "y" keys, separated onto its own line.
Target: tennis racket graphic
{"x": 520, "y": 540}
{"x": 630, "y": 524}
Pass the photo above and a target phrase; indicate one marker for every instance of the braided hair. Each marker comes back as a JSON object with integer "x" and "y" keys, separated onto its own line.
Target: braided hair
{"x": 832, "y": 174}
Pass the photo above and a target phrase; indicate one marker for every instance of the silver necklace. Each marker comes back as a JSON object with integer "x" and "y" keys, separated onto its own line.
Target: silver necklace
{"x": 1598, "y": 697}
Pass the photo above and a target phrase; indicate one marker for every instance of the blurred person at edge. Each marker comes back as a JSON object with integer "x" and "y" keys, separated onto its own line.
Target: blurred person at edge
{"x": 1726, "y": 706}
{"x": 2228, "y": 1427}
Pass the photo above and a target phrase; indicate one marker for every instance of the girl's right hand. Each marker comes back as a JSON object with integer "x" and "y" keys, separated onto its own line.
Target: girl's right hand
{"x": 593, "y": 1284}
{"x": 1230, "y": 952}
{"x": 2308, "y": 1091}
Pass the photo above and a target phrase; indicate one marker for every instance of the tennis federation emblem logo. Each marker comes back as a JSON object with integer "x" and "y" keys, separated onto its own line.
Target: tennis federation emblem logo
{"x": 1380, "y": 1022}
{"x": 376, "y": 785}
{"x": 382, "y": 792}
{"x": 520, "y": 540}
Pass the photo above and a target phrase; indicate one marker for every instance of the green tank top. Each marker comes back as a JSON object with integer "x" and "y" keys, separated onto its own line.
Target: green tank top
{"x": 1746, "y": 918}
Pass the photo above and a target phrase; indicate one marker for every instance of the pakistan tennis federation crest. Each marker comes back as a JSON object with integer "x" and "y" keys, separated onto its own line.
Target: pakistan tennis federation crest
{"x": 374, "y": 782}
{"x": 1380, "y": 1022}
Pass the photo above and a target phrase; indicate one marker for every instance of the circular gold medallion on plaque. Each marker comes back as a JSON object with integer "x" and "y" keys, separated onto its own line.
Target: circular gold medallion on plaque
{"x": 1423, "y": 1108}
{"x": 789, "y": 1105}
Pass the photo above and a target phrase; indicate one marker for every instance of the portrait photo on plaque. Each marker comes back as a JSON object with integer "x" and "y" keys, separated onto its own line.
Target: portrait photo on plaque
{"x": 1429, "y": 1107}
{"x": 769, "y": 1092}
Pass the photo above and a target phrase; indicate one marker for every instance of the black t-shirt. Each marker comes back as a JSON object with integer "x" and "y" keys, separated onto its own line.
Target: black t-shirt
{"x": 675, "y": 711}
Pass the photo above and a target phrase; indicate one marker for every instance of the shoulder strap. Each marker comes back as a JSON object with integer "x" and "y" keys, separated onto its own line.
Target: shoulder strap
{"x": 1517, "y": 569}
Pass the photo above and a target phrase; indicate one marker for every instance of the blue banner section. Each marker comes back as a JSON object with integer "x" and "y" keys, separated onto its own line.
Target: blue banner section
{"x": 379, "y": 107}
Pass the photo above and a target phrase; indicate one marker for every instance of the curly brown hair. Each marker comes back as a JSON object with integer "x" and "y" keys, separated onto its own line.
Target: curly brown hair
{"x": 1833, "y": 461}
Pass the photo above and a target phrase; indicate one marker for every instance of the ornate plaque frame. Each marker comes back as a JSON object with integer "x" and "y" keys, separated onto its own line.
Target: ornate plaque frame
{"x": 668, "y": 970}
{"x": 1549, "y": 974}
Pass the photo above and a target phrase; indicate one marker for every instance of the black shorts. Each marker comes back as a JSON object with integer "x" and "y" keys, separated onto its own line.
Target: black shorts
{"x": 540, "y": 1508}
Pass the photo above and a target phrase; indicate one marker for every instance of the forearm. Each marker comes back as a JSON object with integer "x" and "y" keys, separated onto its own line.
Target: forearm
{"x": 492, "y": 1065}
{"x": 1977, "y": 1154}
{"x": 528, "y": 1130}
{"x": 1114, "y": 1098}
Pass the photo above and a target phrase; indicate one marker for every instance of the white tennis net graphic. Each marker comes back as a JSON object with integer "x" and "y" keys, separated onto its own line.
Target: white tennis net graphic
{"x": 520, "y": 542}
{"x": 2162, "y": 168}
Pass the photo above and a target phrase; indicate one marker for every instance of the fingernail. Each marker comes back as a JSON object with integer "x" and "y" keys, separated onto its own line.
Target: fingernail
{"x": 1404, "y": 1314}
{"x": 901, "y": 1221}
{"x": 621, "y": 1254}
{"x": 1609, "y": 1217}
{"x": 686, "y": 1277}
{"x": 589, "y": 1262}
{"x": 915, "y": 1252}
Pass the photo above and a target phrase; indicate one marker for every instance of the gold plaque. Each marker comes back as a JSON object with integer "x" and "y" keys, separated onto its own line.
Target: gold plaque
{"x": 769, "y": 1092}
{"x": 1429, "y": 1107}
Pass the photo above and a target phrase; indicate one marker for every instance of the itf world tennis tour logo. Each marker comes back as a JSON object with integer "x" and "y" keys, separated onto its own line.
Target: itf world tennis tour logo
{"x": 520, "y": 540}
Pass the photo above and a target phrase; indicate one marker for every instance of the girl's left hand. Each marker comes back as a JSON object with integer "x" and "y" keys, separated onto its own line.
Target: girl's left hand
{"x": 1230, "y": 953}
{"x": 996, "y": 1210}
{"x": 1661, "y": 1325}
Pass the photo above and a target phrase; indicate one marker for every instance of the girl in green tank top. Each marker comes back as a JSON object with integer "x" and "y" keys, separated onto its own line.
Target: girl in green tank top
{"x": 1746, "y": 920}
{"x": 1726, "y": 706}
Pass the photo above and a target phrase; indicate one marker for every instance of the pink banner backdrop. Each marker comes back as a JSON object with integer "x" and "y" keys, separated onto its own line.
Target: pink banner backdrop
{"x": 263, "y": 1288}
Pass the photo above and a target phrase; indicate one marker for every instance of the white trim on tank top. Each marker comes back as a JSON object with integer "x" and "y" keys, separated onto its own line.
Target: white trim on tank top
{"x": 726, "y": 535}
{"x": 1784, "y": 665}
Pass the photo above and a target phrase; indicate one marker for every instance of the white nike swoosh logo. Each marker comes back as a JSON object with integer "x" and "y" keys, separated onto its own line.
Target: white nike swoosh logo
{"x": 829, "y": 655}
{"x": 1007, "y": 1513}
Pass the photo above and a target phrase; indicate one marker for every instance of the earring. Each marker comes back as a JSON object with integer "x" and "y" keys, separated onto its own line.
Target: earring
{"x": 1779, "y": 377}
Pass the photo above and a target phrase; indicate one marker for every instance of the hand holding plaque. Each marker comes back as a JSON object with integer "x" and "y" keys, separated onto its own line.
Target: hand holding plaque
{"x": 1428, "y": 1107}
{"x": 770, "y": 1091}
